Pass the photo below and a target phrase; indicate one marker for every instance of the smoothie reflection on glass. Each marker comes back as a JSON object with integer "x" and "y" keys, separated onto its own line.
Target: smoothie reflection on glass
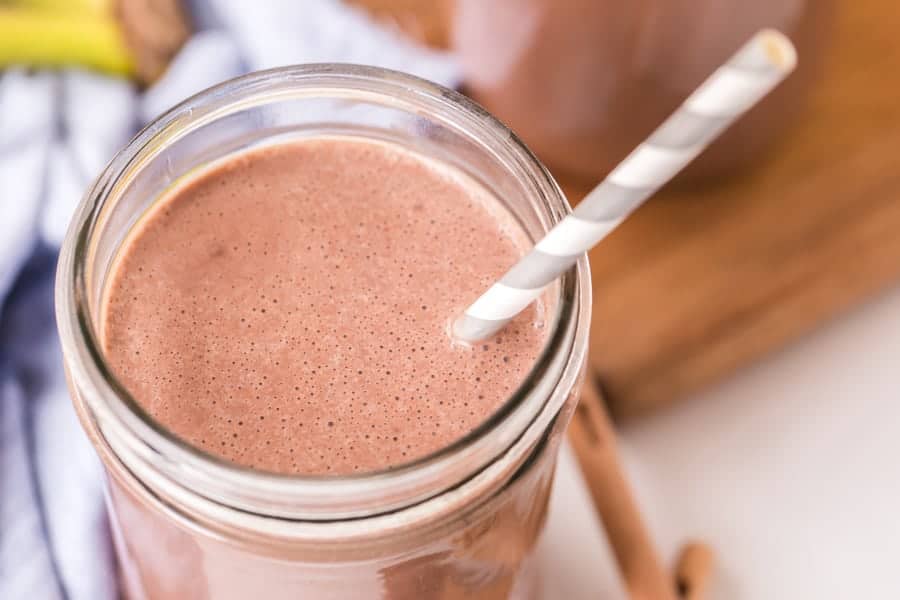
{"x": 255, "y": 302}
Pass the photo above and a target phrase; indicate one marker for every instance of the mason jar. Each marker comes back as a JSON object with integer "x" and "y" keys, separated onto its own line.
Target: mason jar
{"x": 585, "y": 81}
{"x": 460, "y": 523}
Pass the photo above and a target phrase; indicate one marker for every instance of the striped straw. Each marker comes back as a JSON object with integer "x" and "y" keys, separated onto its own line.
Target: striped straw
{"x": 729, "y": 92}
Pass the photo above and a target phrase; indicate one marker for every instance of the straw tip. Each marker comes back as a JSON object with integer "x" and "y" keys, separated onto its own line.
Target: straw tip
{"x": 457, "y": 331}
{"x": 466, "y": 329}
{"x": 778, "y": 49}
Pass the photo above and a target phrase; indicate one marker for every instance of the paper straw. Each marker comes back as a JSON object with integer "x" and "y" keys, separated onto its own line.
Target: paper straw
{"x": 729, "y": 92}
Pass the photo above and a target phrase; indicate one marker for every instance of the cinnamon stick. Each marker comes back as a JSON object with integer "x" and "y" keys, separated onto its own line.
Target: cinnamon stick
{"x": 594, "y": 442}
{"x": 693, "y": 571}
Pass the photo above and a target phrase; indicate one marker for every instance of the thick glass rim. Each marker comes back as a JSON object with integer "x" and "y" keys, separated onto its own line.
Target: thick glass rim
{"x": 107, "y": 398}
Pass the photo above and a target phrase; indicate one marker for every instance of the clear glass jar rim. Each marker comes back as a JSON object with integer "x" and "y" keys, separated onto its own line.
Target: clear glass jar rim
{"x": 111, "y": 404}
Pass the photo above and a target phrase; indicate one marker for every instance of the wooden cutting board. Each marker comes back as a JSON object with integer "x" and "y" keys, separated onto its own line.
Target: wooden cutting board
{"x": 703, "y": 280}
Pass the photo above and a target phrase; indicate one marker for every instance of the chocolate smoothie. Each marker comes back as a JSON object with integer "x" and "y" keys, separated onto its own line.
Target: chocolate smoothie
{"x": 585, "y": 81}
{"x": 287, "y": 309}
{"x": 254, "y": 303}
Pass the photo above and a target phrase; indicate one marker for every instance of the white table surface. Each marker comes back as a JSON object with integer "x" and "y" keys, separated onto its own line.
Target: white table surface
{"x": 790, "y": 469}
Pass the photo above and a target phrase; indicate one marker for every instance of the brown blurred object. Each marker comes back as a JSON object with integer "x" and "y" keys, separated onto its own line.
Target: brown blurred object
{"x": 594, "y": 443}
{"x": 427, "y": 22}
{"x": 703, "y": 280}
{"x": 154, "y": 31}
{"x": 583, "y": 82}
{"x": 693, "y": 571}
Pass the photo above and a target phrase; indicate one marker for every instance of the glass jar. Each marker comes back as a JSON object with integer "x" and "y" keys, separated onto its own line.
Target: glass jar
{"x": 585, "y": 81}
{"x": 460, "y": 523}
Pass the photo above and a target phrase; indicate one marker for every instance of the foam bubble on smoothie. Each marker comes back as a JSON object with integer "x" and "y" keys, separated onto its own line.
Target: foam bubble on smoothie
{"x": 286, "y": 309}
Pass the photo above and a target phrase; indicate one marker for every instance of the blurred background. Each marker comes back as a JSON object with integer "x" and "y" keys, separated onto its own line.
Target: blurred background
{"x": 746, "y": 320}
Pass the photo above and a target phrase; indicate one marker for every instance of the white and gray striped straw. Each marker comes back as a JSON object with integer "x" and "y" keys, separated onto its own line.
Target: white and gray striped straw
{"x": 729, "y": 92}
